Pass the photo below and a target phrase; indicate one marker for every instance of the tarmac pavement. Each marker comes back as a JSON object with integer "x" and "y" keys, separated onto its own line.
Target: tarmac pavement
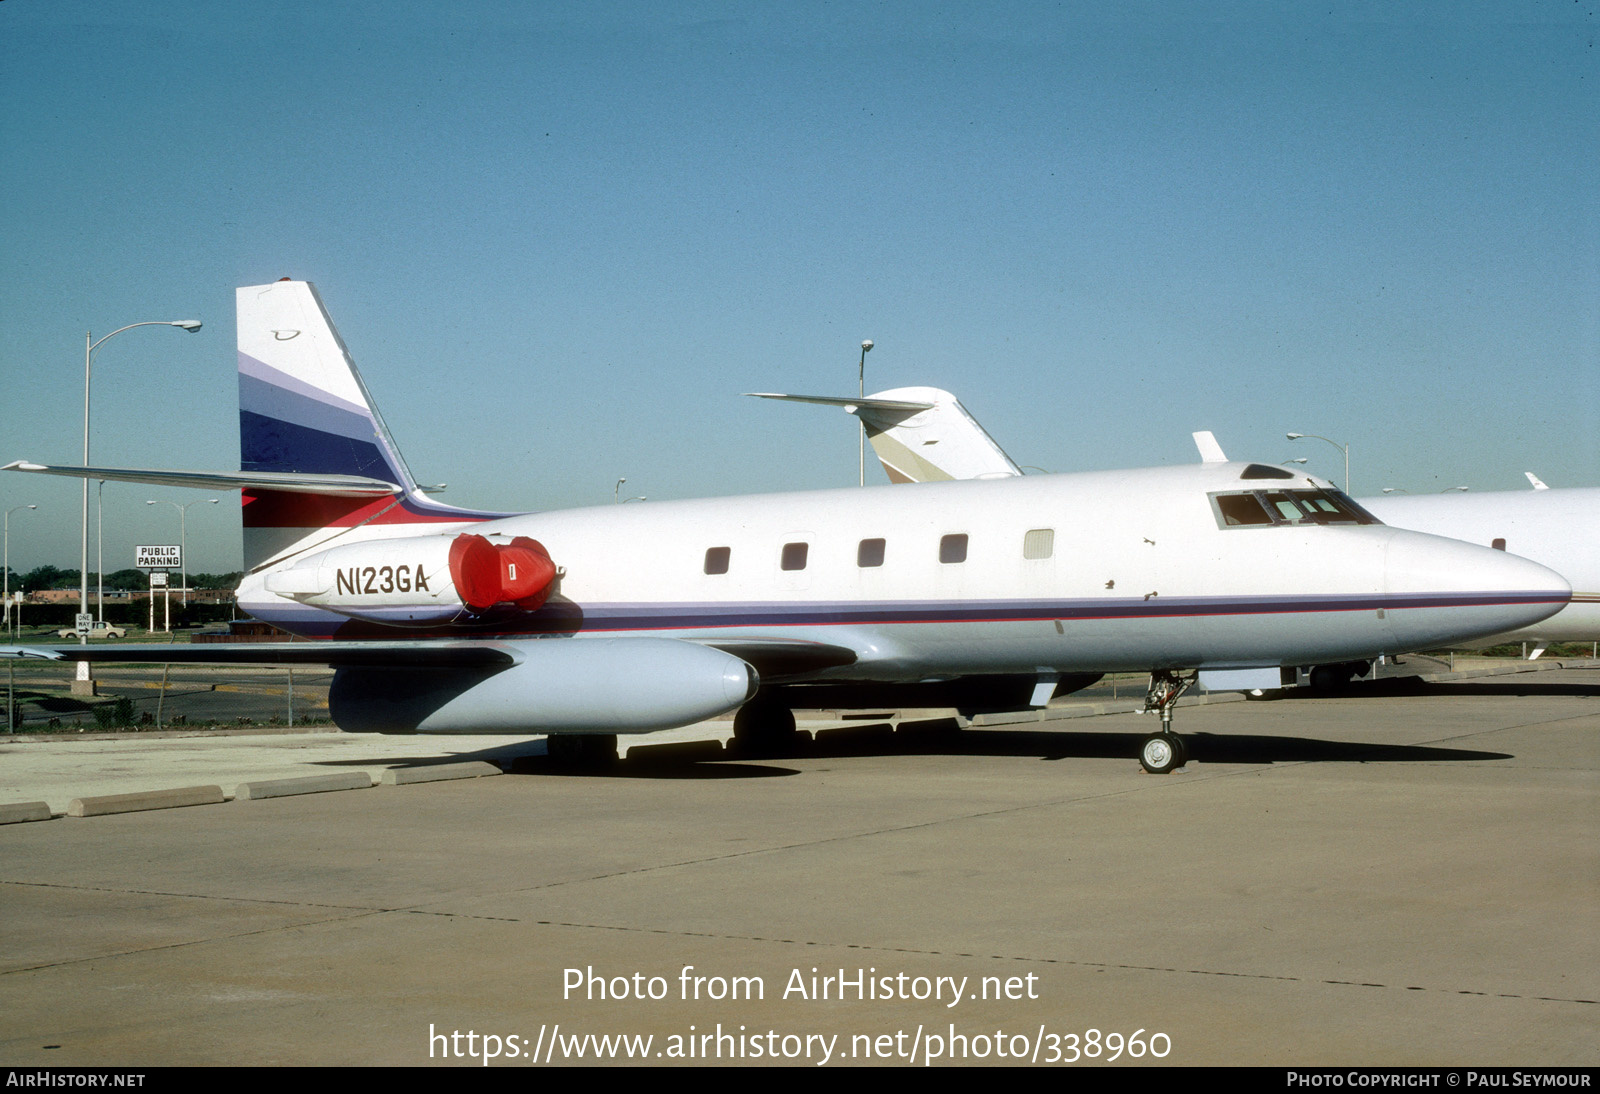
{"x": 1406, "y": 874}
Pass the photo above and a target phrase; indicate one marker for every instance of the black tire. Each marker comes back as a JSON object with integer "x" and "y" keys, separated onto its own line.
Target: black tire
{"x": 1161, "y": 753}
{"x": 764, "y": 729}
{"x": 582, "y": 750}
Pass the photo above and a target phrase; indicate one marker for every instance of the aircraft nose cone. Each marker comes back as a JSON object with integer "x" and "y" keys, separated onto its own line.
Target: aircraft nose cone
{"x": 1447, "y": 591}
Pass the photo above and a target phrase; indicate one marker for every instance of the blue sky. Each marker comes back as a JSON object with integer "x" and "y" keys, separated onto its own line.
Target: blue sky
{"x": 560, "y": 239}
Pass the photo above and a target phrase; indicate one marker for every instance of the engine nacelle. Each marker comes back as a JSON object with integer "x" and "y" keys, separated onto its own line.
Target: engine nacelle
{"x": 420, "y": 580}
{"x": 561, "y": 685}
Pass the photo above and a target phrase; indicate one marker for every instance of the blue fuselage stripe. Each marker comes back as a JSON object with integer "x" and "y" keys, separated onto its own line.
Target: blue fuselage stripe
{"x": 566, "y": 618}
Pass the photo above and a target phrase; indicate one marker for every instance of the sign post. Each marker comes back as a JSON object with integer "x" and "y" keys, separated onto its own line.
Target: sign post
{"x": 158, "y": 559}
{"x": 158, "y": 580}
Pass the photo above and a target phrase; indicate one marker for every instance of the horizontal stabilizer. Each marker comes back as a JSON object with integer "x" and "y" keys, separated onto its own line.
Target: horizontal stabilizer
{"x": 853, "y": 405}
{"x": 921, "y": 434}
{"x": 289, "y": 482}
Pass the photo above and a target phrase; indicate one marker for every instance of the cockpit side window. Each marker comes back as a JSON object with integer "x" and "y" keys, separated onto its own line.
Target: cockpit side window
{"x": 1238, "y": 509}
{"x": 1284, "y": 507}
{"x": 1287, "y": 507}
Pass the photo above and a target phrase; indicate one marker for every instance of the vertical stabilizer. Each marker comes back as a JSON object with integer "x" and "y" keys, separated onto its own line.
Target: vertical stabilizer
{"x": 940, "y": 443}
{"x": 303, "y": 408}
{"x": 302, "y": 405}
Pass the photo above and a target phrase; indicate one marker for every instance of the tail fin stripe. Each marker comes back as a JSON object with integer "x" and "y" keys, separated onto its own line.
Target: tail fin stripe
{"x": 268, "y": 444}
{"x": 295, "y": 387}
{"x": 266, "y": 401}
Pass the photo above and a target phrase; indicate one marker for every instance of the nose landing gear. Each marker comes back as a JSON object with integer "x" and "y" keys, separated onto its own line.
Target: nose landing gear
{"x": 1164, "y": 752}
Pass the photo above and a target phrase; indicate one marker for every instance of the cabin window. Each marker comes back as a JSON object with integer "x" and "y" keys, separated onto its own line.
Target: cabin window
{"x": 717, "y": 559}
{"x": 1039, "y": 543}
{"x": 1499, "y": 545}
{"x": 794, "y": 556}
{"x": 869, "y": 552}
{"x": 953, "y": 548}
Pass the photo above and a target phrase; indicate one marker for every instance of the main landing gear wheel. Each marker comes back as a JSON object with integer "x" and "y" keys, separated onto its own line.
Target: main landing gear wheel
{"x": 764, "y": 729}
{"x": 1161, "y": 753}
{"x": 582, "y": 750}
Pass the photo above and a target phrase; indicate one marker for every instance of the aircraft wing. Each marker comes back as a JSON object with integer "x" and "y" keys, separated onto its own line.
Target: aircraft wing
{"x": 572, "y": 685}
{"x": 462, "y": 654}
{"x": 773, "y": 658}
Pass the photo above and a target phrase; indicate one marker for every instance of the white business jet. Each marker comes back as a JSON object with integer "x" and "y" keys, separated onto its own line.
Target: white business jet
{"x": 981, "y": 594}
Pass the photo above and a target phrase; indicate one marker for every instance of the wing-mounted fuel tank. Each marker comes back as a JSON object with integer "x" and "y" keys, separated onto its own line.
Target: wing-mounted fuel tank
{"x": 420, "y": 581}
{"x": 557, "y": 685}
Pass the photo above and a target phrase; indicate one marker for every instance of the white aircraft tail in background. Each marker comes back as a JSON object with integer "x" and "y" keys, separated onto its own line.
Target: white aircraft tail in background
{"x": 921, "y": 434}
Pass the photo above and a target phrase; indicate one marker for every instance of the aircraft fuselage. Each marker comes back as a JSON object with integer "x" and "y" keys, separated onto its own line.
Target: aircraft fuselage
{"x": 1113, "y": 571}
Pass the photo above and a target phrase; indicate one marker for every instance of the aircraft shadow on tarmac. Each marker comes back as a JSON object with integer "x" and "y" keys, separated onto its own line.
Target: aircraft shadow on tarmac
{"x": 710, "y": 760}
{"x": 1413, "y": 686}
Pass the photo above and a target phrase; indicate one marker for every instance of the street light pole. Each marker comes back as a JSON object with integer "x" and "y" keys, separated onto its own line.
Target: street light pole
{"x": 1341, "y": 447}
{"x": 84, "y": 683}
{"x": 861, "y": 436}
{"x": 183, "y": 539}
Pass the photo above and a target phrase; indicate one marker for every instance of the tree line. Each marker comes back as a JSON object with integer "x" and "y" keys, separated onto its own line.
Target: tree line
{"x": 132, "y": 580}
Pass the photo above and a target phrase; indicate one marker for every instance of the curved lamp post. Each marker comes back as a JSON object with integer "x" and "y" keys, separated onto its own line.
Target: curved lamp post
{"x": 1341, "y": 447}
{"x": 861, "y": 425}
{"x": 183, "y": 539}
{"x": 84, "y": 684}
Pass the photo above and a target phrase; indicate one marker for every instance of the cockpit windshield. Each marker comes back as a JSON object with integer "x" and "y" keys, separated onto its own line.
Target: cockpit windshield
{"x": 1280, "y": 507}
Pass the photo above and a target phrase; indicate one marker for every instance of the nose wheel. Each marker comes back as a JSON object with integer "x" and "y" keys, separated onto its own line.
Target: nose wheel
{"x": 1163, "y": 752}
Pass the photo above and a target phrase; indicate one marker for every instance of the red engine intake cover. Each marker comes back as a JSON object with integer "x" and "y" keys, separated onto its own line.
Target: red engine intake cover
{"x": 486, "y": 574}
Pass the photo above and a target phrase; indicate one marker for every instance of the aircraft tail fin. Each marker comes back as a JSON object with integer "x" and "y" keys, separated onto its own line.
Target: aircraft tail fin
{"x": 921, "y": 434}
{"x": 941, "y": 443}
{"x": 1210, "y": 450}
{"x": 304, "y": 410}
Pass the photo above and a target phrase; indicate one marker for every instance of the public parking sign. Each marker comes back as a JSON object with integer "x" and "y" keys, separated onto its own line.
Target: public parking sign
{"x": 159, "y": 558}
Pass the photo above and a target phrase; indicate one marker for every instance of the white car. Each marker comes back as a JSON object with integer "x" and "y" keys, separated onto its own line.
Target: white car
{"x": 101, "y": 629}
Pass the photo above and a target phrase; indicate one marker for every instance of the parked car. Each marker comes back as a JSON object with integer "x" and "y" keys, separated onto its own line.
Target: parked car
{"x": 101, "y": 629}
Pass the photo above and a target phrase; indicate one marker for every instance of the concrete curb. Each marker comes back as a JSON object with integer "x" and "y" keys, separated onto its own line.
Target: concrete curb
{"x": 433, "y": 773}
{"x": 22, "y": 812}
{"x": 148, "y": 799}
{"x": 308, "y": 784}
